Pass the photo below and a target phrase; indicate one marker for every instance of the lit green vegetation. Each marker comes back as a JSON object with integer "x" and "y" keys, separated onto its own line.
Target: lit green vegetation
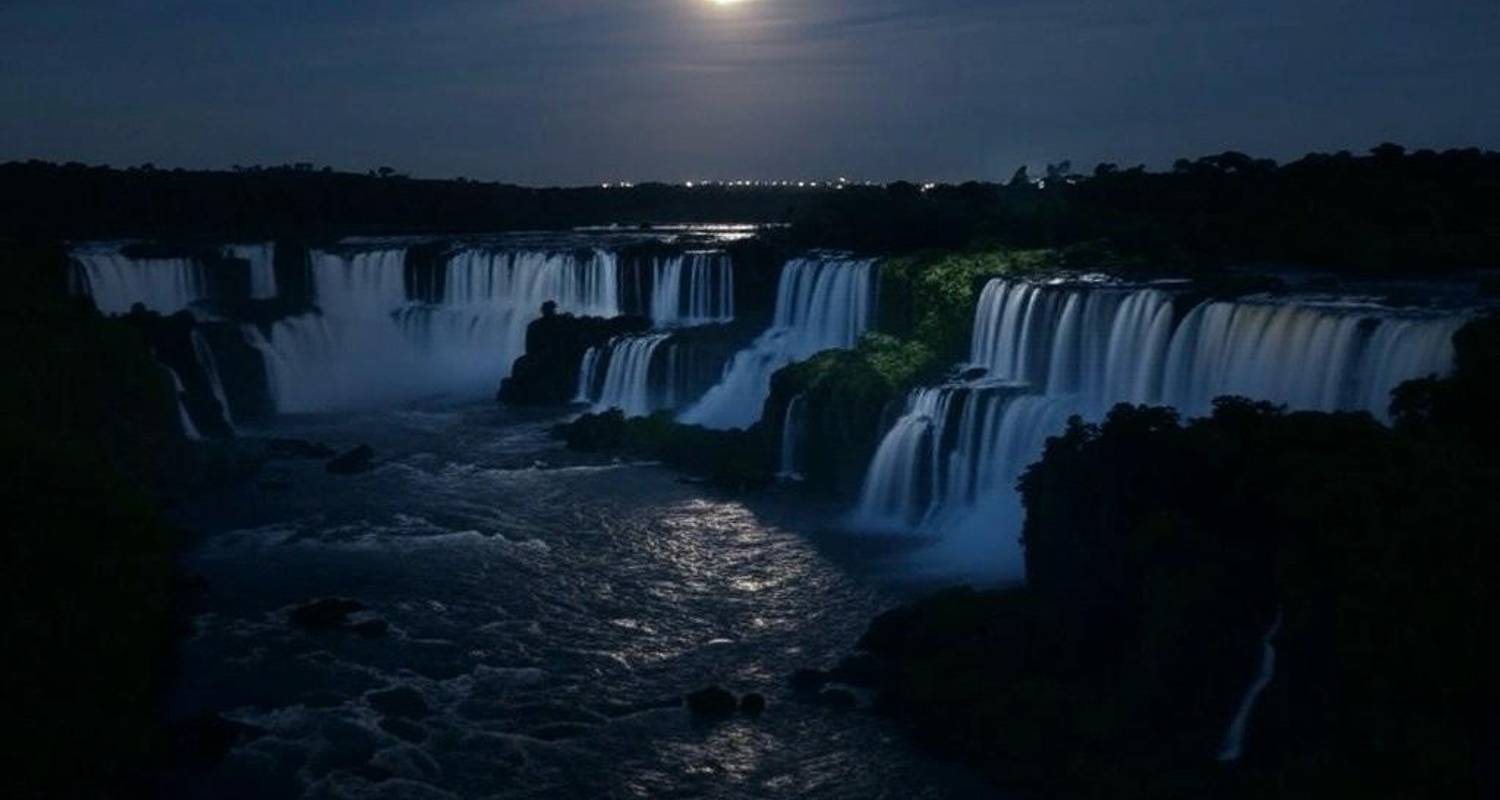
{"x": 930, "y": 297}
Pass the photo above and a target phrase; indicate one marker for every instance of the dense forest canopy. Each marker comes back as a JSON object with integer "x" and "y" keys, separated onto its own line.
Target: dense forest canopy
{"x": 1385, "y": 212}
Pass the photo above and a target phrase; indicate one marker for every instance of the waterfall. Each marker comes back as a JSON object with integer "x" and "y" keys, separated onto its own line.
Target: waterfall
{"x": 791, "y": 435}
{"x": 373, "y": 345}
{"x": 822, "y": 303}
{"x": 626, "y": 382}
{"x": 188, "y": 428}
{"x": 952, "y": 445}
{"x": 694, "y": 288}
{"x": 1047, "y": 352}
{"x": 262, "y": 260}
{"x": 588, "y": 375}
{"x": 206, "y": 362}
{"x": 1234, "y": 738}
{"x": 117, "y": 282}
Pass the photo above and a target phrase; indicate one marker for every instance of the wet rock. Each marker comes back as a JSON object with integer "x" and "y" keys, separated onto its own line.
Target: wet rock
{"x": 399, "y": 701}
{"x": 973, "y": 374}
{"x": 204, "y": 740}
{"x": 808, "y": 681}
{"x": 547, "y": 374}
{"x": 324, "y": 613}
{"x": 753, "y": 704}
{"x": 353, "y": 462}
{"x": 404, "y": 729}
{"x": 837, "y": 699}
{"x": 713, "y": 701}
{"x": 372, "y": 628}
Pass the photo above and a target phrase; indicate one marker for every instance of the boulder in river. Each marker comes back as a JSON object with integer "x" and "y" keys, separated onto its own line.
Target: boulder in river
{"x": 324, "y": 613}
{"x": 713, "y": 701}
{"x": 753, "y": 704}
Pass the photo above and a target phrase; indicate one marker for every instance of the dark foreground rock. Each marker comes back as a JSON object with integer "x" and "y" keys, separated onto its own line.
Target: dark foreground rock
{"x": 204, "y": 740}
{"x": 1160, "y": 554}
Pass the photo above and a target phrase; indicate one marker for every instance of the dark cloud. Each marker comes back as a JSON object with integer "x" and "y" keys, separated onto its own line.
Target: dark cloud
{"x": 569, "y": 91}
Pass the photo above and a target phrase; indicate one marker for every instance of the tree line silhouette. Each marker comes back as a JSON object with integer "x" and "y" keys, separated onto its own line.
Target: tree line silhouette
{"x": 1386, "y": 211}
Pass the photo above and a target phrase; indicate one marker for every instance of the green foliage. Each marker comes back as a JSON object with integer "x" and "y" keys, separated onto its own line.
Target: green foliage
{"x": 931, "y": 297}
{"x": 901, "y": 363}
{"x": 845, "y": 394}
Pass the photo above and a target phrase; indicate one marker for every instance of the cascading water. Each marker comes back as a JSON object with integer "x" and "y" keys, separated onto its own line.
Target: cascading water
{"x": 1234, "y": 738}
{"x": 791, "y": 438}
{"x": 626, "y": 364}
{"x": 205, "y": 357}
{"x": 373, "y": 344}
{"x": 822, "y": 303}
{"x": 692, "y": 289}
{"x": 382, "y": 330}
{"x": 262, "y": 260}
{"x": 186, "y": 420}
{"x": 116, "y": 282}
{"x": 952, "y": 445}
{"x": 1048, "y": 352}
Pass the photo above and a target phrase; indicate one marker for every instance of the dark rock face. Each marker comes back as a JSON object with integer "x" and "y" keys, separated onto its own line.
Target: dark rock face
{"x": 548, "y": 374}
{"x": 353, "y": 462}
{"x": 325, "y": 613}
{"x": 714, "y": 701}
{"x": 399, "y": 701}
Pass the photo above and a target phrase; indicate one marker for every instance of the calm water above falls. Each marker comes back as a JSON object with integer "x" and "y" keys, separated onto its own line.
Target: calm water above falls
{"x": 551, "y": 619}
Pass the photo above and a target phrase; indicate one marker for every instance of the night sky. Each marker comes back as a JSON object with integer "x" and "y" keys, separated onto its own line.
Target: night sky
{"x": 581, "y": 91}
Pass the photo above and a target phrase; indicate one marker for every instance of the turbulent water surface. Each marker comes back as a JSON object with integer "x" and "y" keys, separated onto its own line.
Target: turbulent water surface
{"x": 550, "y": 619}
